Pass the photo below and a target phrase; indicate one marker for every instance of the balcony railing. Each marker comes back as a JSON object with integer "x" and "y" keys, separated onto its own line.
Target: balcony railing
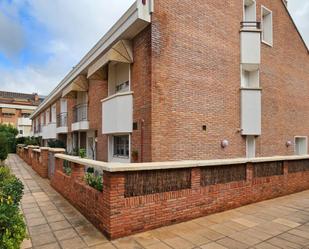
{"x": 250, "y": 24}
{"x": 80, "y": 113}
{"x": 62, "y": 119}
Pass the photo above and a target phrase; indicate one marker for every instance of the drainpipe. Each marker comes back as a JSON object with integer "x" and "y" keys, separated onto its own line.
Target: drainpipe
{"x": 142, "y": 140}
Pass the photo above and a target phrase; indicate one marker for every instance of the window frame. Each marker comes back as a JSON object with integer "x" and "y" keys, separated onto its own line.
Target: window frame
{"x": 263, "y": 8}
{"x": 295, "y": 147}
{"x": 244, "y": 10}
{"x": 125, "y": 147}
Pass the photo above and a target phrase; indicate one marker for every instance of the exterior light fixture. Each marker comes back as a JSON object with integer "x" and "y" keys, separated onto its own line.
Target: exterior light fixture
{"x": 224, "y": 143}
{"x": 288, "y": 143}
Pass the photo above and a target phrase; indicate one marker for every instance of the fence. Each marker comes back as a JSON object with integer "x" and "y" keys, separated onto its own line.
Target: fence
{"x": 139, "y": 197}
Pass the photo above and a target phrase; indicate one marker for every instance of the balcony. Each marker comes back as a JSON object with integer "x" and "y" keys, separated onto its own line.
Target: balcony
{"x": 250, "y": 45}
{"x": 251, "y": 111}
{"x": 24, "y": 122}
{"x": 80, "y": 120}
{"x": 49, "y": 131}
{"x": 62, "y": 123}
{"x": 117, "y": 113}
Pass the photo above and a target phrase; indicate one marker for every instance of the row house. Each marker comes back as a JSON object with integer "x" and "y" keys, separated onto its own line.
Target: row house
{"x": 16, "y": 108}
{"x": 183, "y": 80}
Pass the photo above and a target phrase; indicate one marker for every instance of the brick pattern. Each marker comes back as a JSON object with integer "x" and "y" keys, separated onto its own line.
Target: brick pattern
{"x": 118, "y": 216}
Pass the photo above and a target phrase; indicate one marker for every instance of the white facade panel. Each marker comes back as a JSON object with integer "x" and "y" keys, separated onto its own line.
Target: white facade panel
{"x": 250, "y": 47}
{"x": 251, "y": 111}
{"x": 49, "y": 131}
{"x": 80, "y": 126}
{"x": 117, "y": 114}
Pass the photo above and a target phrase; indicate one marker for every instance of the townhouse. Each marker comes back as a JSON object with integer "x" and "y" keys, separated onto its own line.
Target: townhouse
{"x": 183, "y": 80}
{"x": 15, "y": 109}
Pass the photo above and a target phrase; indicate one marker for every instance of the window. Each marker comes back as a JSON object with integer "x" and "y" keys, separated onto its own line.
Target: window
{"x": 301, "y": 145}
{"x": 121, "y": 146}
{"x": 249, "y": 11}
{"x": 267, "y": 26}
{"x": 122, "y": 87}
{"x": 250, "y": 146}
{"x": 250, "y": 79}
{"x": 21, "y": 132}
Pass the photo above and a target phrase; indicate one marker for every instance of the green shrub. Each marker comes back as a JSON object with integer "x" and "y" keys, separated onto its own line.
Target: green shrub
{"x": 10, "y": 133}
{"x": 67, "y": 167}
{"x": 82, "y": 153}
{"x": 3, "y": 147}
{"x": 55, "y": 143}
{"x": 94, "y": 180}
{"x": 12, "y": 225}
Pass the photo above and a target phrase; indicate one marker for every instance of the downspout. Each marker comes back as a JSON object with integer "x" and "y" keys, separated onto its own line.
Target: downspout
{"x": 142, "y": 140}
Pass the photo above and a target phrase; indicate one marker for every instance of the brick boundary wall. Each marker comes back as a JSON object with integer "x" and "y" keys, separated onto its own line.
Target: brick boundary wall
{"x": 117, "y": 214}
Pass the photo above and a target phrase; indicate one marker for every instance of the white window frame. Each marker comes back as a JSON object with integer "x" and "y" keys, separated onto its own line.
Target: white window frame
{"x": 244, "y": 11}
{"x": 247, "y": 147}
{"x": 112, "y": 89}
{"x": 295, "y": 149}
{"x": 111, "y": 156}
{"x": 263, "y": 8}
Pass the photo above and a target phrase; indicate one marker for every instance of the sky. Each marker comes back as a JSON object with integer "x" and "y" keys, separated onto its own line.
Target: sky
{"x": 41, "y": 40}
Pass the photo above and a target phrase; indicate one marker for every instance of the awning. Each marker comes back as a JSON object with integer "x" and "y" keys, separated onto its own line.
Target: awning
{"x": 80, "y": 84}
{"x": 8, "y": 110}
{"x": 26, "y": 111}
{"x": 120, "y": 52}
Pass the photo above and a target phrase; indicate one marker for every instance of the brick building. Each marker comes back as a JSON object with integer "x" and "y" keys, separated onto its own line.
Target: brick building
{"x": 15, "y": 109}
{"x": 182, "y": 80}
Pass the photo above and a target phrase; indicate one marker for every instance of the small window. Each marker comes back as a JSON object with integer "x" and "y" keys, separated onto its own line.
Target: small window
{"x": 267, "y": 26}
{"x": 250, "y": 79}
{"x": 301, "y": 145}
{"x": 249, "y": 11}
{"x": 122, "y": 87}
{"x": 121, "y": 146}
{"x": 250, "y": 146}
{"x": 21, "y": 132}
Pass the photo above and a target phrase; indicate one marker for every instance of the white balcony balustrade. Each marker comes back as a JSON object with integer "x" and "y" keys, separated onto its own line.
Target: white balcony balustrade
{"x": 251, "y": 111}
{"x": 49, "y": 131}
{"x": 117, "y": 113}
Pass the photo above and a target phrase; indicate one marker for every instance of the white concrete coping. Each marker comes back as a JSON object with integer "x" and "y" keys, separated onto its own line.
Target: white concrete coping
{"x": 116, "y": 95}
{"x": 44, "y": 148}
{"x": 33, "y": 146}
{"x": 56, "y": 150}
{"x": 36, "y": 150}
{"x": 121, "y": 167}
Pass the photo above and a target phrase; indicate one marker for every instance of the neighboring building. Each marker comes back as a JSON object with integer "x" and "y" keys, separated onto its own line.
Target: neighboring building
{"x": 15, "y": 109}
{"x": 182, "y": 80}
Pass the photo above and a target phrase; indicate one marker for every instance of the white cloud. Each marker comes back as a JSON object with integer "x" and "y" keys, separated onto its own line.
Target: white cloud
{"x": 12, "y": 36}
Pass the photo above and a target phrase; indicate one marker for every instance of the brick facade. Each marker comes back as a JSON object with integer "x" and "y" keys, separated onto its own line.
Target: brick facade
{"x": 186, "y": 75}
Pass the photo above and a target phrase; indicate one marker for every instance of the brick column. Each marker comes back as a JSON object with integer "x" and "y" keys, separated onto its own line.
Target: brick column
{"x": 195, "y": 178}
{"x": 78, "y": 172}
{"x": 43, "y": 162}
{"x": 113, "y": 203}
{"x": 249, "y": 172}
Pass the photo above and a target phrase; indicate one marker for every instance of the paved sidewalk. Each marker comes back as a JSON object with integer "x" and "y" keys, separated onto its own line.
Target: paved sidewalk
{"x": 53, "y": 223}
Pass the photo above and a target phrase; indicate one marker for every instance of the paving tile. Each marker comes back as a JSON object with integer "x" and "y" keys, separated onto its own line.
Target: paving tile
{"x": 221, "y": 228}
{"x": 294, "y": 238}
{"x": 104, "y": 246}
{"x": 245, "y": 222}
{"x": 300, "y": 233}
{"x": 65, "y": 234}
{"x": 210, "y": 234}
{"x": 244, "y": 238}
{"x": 282, "y": 243}
{"x": 213, "y": 245}
{"x": 74, "y": 243}
{"x": 126, "y": 243}
{"x": 252, "y": 232}
{"x": 265, "y": 245}
{"x": 43, "y": 239}
{"x": 232, "y": 244}
{"x": 146, "y": 239}
{"x": 34, "y": 231}
{"x": 54, "y": 218}
{"x": 49, "y": 246}
{"x": 36, "y": 221}
{"x": 272, "y": 228}
{"x": 59, "y": 225}
{"x": 179, "y": 243}
{"x": 286, "y": 222}
{"x": 94, "y": 239}
{"x": 26, "y": 244}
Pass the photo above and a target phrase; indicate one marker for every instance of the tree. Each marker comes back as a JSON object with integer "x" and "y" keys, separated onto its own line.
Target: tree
{"x": 3, "y": 147}
{"x": 10, "y": 133}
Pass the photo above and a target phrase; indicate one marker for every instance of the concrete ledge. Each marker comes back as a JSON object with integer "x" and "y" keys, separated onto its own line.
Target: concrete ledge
{"x": 55, "y": 149}
{"x": 121, "y": 167}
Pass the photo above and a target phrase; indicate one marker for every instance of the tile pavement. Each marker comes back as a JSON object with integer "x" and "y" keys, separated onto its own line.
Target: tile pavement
{"x": 53, "y": 223}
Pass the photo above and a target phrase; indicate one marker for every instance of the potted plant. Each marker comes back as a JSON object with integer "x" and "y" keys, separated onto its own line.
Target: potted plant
{"x": 82, "y": 153}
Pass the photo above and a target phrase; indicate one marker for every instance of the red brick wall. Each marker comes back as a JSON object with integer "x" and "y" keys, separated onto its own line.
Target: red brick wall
{"x": 285, "y": 83}
{"x": 141, "y": 86}
{"x": 196, "y": 81}
{"x": 98, "y": 90}
{"x": 117, "y": 215}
